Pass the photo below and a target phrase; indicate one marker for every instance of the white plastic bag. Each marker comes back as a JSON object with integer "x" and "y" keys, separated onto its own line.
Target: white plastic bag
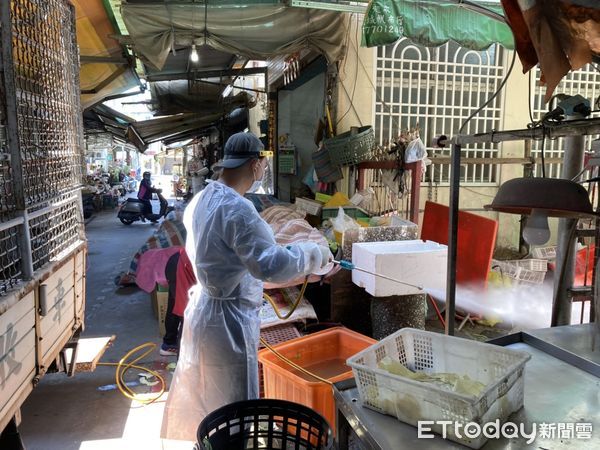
{"x": 343, "y": 222}
{"x": 415, "y": 151}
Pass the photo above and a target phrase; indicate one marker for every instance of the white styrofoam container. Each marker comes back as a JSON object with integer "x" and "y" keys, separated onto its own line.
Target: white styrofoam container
{"x": 420, "y": 263}
{"x": 501, "y": 370}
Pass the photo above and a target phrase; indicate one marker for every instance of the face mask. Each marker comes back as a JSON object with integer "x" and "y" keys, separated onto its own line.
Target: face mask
{"x": 255, "y": 186}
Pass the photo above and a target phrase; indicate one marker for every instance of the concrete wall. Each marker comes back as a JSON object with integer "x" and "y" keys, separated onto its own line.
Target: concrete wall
{"x": 358, "y": 75}
{"x": 298, "y": 112}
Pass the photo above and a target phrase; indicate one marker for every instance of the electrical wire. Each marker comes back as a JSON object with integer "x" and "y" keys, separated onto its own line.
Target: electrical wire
{"x": 378, "y": 97}
{"x": 478, "y": 193}
{"x": 285, "y": 317}
{"x": 351, "y": 97}
{"x": 294, "y": 306}
{"x": 489, "y": 100}
{"x": 542, "y": 151}
{"x": 123, "y": 366}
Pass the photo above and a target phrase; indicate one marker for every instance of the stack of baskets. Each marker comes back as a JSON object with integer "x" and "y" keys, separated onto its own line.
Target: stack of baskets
{"x": 349, "y": 149}
{"x": 523, "y": 271}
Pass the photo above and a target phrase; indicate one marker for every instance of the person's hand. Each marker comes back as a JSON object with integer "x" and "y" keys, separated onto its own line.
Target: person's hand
{"x": 326, "y": 256}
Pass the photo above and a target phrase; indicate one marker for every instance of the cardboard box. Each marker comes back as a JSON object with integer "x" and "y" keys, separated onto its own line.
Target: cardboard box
{"x": 160, "y": 302}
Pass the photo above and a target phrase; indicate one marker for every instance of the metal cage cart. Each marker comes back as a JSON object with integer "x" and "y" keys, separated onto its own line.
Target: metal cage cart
{"x": 42, "y": 240}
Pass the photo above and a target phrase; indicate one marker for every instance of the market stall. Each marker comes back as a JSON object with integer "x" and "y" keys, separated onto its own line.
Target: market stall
{"x": 383, "y": 275}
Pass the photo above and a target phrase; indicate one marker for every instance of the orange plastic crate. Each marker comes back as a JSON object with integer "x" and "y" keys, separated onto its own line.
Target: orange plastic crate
{"x": 276, "y": 334}
{"x": 323, "y": 353}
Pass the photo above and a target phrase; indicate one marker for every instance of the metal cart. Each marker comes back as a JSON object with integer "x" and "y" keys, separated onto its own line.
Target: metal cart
{"x": 562, "y": 386}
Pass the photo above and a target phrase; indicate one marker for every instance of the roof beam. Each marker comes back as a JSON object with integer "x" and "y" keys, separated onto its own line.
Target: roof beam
{"x": 339, "y": 6}
{"x": 112, "y": 77}
{"x": 195, "y": 75}
{"x": 88, "y": 59}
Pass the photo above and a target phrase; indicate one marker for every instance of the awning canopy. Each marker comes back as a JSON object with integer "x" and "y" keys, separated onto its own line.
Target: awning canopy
{"x": 174, "y": 97}
{"x": 106, "y": 68}
{"x": 560, "y": 35}
{"x": 179, "y": 127}
{"x": 475, "y": 25}
{"x": 252, "y": 31}
{"x": 101, "y": 118}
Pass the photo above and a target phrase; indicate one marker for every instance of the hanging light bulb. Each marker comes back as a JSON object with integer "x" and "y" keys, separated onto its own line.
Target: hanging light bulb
{"x": 194, "y": 54}
{"x": 536, "y": 231}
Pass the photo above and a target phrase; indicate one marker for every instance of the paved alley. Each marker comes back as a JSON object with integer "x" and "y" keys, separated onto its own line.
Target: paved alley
{"x": 72, "y": 413}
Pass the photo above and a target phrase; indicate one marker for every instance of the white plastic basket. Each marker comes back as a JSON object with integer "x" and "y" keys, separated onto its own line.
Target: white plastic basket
{"x": 536, "y": 265}
{"x": 544, "y": 253}
{"x": 520, "y": 274}
{"x": 500, "y": 369}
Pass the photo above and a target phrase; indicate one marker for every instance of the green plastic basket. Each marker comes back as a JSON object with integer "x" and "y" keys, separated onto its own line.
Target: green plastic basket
{"x": 349, "y": 149}
{"x": 353, "y": 211}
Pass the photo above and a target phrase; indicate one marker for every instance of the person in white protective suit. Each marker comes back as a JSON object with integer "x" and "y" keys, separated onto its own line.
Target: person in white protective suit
{"x": 233, "y": 250}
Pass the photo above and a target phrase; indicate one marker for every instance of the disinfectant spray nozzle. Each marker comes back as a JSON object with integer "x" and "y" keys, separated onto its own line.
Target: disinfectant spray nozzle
{"x": 344, "y": 264}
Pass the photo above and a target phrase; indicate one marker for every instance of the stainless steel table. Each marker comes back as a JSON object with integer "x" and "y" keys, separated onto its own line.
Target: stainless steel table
{"x": 562, "y": 385}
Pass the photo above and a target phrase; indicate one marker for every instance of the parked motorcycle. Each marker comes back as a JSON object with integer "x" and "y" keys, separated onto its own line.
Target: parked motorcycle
{"x": 89, "y": 207}
{"x": 130, "y": 184}
{"x": 132, "y": 210}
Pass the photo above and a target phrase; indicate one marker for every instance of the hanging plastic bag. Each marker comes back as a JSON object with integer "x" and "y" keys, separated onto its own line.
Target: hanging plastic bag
{"x": 342, "y": 223}
{"x": 415, "y": 151}
{"x": 382, "y": 24}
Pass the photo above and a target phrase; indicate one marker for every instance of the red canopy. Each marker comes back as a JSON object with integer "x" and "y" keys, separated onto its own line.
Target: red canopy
{"x": 561, "y": 35}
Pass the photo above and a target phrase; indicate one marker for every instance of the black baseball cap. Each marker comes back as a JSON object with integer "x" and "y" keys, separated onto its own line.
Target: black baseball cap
{"x": 240, "y": 148}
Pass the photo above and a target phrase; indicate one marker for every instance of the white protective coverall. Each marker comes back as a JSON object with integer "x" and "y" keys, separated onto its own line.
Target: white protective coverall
{"x": 232, "y": 248}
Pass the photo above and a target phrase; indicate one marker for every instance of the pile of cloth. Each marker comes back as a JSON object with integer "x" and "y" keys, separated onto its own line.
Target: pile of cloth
{"x": 171, "y": 233}
{"x": 287, "y": 224}
{"x": 290, "y": 227}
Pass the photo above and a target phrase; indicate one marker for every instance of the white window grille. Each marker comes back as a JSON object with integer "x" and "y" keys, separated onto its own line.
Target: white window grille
{"x": 437, "y": 89}
{"x": 585, "y": 82}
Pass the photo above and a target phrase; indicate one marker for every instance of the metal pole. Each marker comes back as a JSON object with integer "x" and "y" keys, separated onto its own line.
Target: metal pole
{"x": 452, "y": 238}
{"x": 524, "y": 247}
{"x": 566, "y": 246}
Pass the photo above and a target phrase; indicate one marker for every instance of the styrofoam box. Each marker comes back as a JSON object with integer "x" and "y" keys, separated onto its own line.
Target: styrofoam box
{"x": 420, "y": 263}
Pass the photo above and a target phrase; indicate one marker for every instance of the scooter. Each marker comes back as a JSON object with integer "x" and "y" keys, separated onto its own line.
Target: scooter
{"x": 132, "y": 210}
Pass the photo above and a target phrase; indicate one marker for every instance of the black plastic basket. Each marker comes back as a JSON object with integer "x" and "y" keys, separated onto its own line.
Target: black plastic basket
{"x": 264, "y": 424}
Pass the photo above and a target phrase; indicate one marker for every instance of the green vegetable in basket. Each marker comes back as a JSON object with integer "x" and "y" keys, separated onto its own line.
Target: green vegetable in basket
{"x": 461, "y": 384}
{"x": 464, "y": 385}
{"x": 394, "y": 367}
